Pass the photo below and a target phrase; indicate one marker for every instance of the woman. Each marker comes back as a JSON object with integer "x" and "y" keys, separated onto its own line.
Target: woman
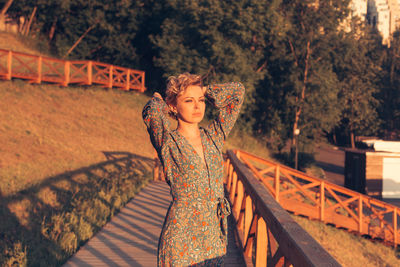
{"x": 195, "y": 227}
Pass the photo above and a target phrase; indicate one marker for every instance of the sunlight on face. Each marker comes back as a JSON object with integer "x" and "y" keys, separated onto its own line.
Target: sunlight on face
{"x": 191, "y": 104}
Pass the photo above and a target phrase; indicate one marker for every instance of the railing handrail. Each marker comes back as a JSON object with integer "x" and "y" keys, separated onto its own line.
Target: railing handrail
{"x": 30, "y": 67}
{"x": 295, "y": 243}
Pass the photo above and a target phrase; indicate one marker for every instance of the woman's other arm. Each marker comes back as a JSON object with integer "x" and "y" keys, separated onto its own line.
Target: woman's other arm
{"x": 228, "y": 98}
{"x": 155, "y": 117}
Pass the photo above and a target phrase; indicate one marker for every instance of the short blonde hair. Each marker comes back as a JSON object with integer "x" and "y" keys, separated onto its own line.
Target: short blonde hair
{"x": 177, "y": 85}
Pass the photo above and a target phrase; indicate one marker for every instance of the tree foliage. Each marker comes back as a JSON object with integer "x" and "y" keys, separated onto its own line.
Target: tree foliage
{"x": 389, "y": 93}
{"x": 222, "y": 40}
{"x": 358, "y": 75}
{"x": 301, "y": 67}
{"x": 300, "y": 90}
{"x": 112, "y": 24}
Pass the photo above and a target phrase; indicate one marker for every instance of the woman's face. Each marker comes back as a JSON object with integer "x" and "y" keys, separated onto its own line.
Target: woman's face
{"x": 191, "y": 104}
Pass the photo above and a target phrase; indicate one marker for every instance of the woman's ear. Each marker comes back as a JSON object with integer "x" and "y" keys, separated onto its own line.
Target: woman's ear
{"x": 173, "y": 112}
{"x": 172, "y": 108}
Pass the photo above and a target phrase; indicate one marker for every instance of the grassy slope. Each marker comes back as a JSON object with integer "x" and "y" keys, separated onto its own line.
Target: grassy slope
{"x": 349, "y": 249}
{"x": 47, "y": 130}
{"x": 20, "y": 44}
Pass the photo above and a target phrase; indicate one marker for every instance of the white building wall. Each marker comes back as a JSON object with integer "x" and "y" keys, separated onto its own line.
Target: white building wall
{"x": 359, "y": 8}
{"x": 379, "y": 16}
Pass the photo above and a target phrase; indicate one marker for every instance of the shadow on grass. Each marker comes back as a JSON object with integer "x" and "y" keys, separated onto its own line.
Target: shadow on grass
{"x": 46, "y": 223}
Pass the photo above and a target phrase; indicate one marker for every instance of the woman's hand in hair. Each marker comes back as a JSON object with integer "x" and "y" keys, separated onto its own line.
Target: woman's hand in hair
{"x": 157, "y": 95}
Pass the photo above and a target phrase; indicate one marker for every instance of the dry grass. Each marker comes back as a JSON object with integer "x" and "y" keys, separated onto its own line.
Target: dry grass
{"x": 46, "y": 130}
{"x": 238, "y": 140}
{"x": 348, "y": 249}
{"x": 69, "y": 159}
{"x": 9, "y": 41}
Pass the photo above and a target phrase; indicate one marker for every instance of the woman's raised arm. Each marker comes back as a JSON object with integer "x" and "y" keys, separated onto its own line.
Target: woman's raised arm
{"x": 154, "y": 115}
{"x": 228, "y": 98}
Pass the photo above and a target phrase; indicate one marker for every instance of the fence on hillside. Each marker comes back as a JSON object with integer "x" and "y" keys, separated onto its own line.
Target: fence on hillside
{"x": 37, "y": 69}
{"x": 318, "y": 199}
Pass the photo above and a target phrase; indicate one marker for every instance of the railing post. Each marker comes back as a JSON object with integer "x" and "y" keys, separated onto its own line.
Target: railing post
{"x": 229, "y": 182}
{"x": 277, "y": 183}
{"x": 241, "y": 214}
{"x": 67, "y": 72}
{"x": 238, "y": 200}
{"x": 227, "y": 162}
{"x": 9, "y": 65}
{"x": 322, "y": 202}
{"x": 39, "y": 78}
{"x": 142, "y": 90}
{"x": 110, "y": 77}
{"x": 395, "y": 227}
{"x": 248, "y": 251}
{"x": 262, "y": 243}
{"x": 128, "y": 77}
{"x": 90, "y": 72}
{"x": 248, "y": 215}
{"x": 360, "y": 214}
{"x": 233, "y": 187}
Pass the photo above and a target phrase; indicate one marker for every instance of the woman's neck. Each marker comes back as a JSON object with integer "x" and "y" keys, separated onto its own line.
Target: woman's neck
{"x": 190, "y": 130}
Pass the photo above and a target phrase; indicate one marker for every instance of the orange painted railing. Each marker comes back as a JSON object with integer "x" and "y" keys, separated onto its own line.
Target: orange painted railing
{"x": 39, "y": 69}
{"x": 318, "y": 199}
{"x": 267, "y": 233}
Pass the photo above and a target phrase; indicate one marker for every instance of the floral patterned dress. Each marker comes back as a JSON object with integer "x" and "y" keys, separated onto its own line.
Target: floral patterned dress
{"x": 194, "y": 231}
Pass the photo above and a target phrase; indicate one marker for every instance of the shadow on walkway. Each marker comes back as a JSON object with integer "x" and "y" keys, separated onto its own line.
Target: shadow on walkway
{"x": 45, "y": 224}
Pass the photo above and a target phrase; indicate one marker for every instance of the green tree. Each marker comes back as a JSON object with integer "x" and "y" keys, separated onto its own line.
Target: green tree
{"x": 358, "y": 76}
{"x": 223, "y": 40}
{"x": 389, "y": 94}
{"x": 301, "y": 88}
{"x": 105, "y": 30}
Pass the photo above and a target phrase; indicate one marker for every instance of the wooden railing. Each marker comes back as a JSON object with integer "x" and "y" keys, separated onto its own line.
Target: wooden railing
{"x": 265, "y": 227}
{"x": 39, "y": 69}
{"x": 318, "y": 199}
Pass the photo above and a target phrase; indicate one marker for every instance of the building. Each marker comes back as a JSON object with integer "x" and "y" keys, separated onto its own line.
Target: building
{"x": 384, "y": 15}
{"x": 359, "y": 9}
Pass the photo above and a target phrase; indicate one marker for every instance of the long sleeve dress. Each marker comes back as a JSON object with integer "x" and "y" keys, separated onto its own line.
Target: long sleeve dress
{"x": 194, "y": 231}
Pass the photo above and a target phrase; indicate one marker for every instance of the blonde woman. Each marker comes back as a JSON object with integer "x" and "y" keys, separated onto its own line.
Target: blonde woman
{"x": 195, "y": 227}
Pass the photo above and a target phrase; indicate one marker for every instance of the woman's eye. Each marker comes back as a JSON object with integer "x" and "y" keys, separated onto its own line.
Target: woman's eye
{"x": 188, "y": 101}
{"x": 202, "y": 100}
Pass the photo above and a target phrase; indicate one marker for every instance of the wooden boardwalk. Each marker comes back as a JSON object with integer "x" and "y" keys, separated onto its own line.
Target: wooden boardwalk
{"x": 131, "y": 237}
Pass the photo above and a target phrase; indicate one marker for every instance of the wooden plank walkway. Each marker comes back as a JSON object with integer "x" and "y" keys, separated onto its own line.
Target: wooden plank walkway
{"x": 131, "y": 237}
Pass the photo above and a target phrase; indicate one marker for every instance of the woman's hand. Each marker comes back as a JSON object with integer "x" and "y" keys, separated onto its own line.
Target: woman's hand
{"x": 157, "y": 95}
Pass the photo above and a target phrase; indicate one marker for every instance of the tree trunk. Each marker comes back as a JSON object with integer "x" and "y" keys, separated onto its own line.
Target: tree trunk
{"x": 353, "y": 145}
{"x": 334, "y": 137}
{"x": 79, "y": 40}
{"x": 5, "y": 8}
{"x": 52, "y": 30}
{"x": 3, "y": 13}
{"x": 300, "y": 100}
{"x": 28, "y": 26}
